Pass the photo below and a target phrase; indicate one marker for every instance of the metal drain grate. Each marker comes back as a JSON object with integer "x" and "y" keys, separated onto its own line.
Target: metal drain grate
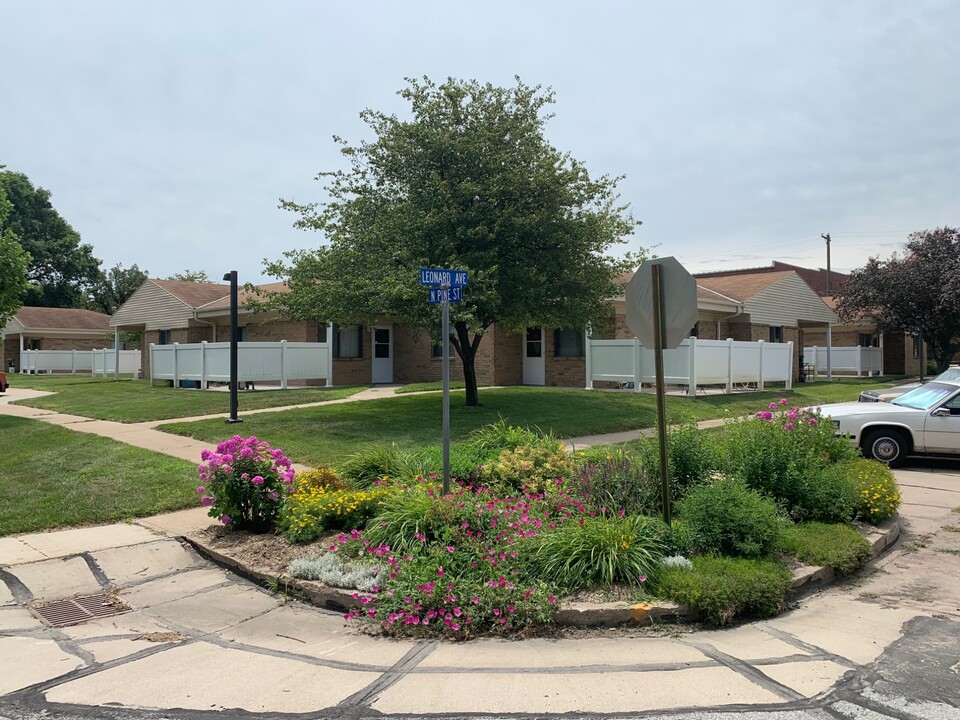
{"x": 72, "y": 611}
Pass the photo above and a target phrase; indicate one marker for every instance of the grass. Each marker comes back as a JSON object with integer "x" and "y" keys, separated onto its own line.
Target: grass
{"x": 131, "y": 401}
{"x": 838, "y": 546}
{"x": 434, "y": 386}
{"x": 325, "y": 435}
{"x": 54, "y": 477}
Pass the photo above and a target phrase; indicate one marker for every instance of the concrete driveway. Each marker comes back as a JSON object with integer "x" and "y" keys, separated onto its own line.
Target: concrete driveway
{"x": 192, "y": 639}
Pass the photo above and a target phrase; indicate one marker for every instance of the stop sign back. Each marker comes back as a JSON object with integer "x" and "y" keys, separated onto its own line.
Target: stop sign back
{"x": 679, "y": 304}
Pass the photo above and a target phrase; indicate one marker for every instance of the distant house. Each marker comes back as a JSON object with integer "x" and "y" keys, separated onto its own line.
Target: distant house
{"x": 42, "y": 328}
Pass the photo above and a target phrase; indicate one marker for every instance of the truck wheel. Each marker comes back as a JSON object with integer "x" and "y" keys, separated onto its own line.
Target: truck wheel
{"x": 887, "y": 446}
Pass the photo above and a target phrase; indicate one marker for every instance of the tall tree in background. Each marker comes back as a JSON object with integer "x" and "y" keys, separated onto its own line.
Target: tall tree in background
{"x": 62, "y": 271}
{"x": 14, "y": 261}
{"x": 115, "y": 286}
{"x": 920, "y": 286}
{"x": 199, "y": 276}
{"x": 468, "y": 182}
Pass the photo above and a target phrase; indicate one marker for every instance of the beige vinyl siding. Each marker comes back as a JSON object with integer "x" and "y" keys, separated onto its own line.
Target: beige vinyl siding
{"x": 154, "y": 308}
{"x": 786, "y": 301}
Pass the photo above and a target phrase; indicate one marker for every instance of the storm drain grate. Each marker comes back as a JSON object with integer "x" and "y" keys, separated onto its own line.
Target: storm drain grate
{"x": 72, "y": 611}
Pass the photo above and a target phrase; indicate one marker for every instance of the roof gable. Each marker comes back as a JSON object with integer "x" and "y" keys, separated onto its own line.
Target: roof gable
{"x": 45, "y": 318}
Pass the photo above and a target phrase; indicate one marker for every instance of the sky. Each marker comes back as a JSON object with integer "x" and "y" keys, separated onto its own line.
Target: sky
{"x": 167, "y": 132}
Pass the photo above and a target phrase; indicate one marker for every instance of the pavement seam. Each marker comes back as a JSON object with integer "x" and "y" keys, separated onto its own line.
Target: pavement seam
{"x": 20, "y": 592}
{"x": 368, "y": 695}
{"x": 747, "y": 671}
{"x": 96, "y": 570}
{"x": 814, "y": 650}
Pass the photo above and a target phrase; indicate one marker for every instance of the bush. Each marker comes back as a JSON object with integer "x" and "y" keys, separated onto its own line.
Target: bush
{"x": 690, "y": 456}
{"x": 315, "y": 507}
{"x": 723, "y": 588}
{"x": 600, "y": 551}
{"x": 727, "y": 517}
{"x": 830, "y": 495}
{"x": 322, "y": 478}
{"x": 878, "y": 495}
{"x": 501, "y": 436}
{"x": 244, "y": 483}
{"x": 618, "y": 483}
{"x": 777, "y": 451}
{"x": 532, "y": 468}
{"x": 372, "y": 464}
{"x": 838, "y": 546}
{"x": 402, "y": 522}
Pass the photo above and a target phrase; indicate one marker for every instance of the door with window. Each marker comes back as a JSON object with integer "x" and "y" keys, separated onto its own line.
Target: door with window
{"x": 534, "y": 372}
{"x": 382, "y": 354}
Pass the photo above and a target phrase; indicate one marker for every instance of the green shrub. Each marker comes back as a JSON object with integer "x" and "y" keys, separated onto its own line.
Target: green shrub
{"x": 838, "y": 546}
{"x": 465, "y": 461}
{"x": 371, "y": 464}
{"x": 830, "y": 495}
{"x": 777, "y": 452}
{"x": 691, "y": 458}
{"x": 532, "y": 468}
{"x": 601, "y": 551}
{"x": 723, "y": 588}
{"x": 727, "y": 517}
{"x": 324, "y": 478}
{"x": 402, "y": 521}
{"x": 617, "y": 483}
{"x": 501, "y": 436}
{"x": 878, "y": 495}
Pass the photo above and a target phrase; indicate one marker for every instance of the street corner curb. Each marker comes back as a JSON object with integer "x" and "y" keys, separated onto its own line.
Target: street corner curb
{"x": 313, "y": 592}
{"x": 881, "y": 538}
{"x": 622, "y": 613}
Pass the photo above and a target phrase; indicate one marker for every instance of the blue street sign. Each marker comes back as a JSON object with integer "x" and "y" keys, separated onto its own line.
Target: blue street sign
{"x": 439, "y": 276}
{"x": 438, "y": 295}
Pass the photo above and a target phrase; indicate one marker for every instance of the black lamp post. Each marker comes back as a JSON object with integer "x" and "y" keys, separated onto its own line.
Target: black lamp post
{"x": 234, "y": 383}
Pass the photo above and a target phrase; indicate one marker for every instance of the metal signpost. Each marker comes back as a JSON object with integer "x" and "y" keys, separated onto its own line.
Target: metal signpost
{"x": 661, "y": 301}
{"x": 234, "y": 381}
{"x": 446, "y": 286}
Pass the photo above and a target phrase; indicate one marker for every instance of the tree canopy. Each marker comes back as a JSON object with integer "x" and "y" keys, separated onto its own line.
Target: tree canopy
{"x": 62, "y": 271}
{"x": 14, "y": 261}
{"x": 199, "y": 276}
{"x": 468, "y": 182}
{"x": 115, "y": 286}
{"x": 921, "y": 285}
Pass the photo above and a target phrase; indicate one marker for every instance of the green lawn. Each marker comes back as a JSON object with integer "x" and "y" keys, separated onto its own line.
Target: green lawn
{"x": 55, "y": 477}
{"x": 325, "y": 435}
{"x": 133, "y": 401}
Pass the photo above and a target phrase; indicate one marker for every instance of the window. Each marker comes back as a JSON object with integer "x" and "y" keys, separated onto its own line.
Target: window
{"x": 776, "y": 333}
{"x": 436, "y": 350}
{"x": 347, "y": 341}
{"x": 35, "y": 344}
{"x": 165, "y": 337}
{"x": 534, "y": 342}
{"x": 321, "y": 332}
{"x": 867, "y": 340}
{"x": 568, "y": 343}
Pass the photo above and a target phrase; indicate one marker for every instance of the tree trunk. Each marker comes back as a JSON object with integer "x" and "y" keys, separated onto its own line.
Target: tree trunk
{"x": 468, "y": 352}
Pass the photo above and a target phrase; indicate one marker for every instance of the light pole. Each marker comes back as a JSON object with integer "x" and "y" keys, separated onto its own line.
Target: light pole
{"x": 234, "y": 383}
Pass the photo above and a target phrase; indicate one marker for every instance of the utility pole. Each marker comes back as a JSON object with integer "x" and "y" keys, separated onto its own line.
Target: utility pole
{"x": 826, "y": 236}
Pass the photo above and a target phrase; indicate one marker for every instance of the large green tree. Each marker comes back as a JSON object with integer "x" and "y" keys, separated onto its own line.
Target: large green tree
{"x": 14, "y": 261}
{"x": 115, "y": 286}
{"x": 62, "y": 270}
{"x": 467, "y": 182}
{"x": 921, "y": 286}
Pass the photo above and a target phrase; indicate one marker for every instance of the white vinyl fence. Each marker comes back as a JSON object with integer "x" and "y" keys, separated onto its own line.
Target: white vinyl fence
{"x": 695, "y": 363}
{"x": 256, "y": 361}
{"x": 844, "y": 360}
{"x": 96, "y": 362}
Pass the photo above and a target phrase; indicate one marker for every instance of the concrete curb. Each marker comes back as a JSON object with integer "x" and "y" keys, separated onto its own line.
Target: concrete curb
{"x": 806, "y": 578}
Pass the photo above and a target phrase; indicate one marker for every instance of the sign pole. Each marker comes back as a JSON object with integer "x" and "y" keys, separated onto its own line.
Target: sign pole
{"x": 661, "y": 400}
{"x": 445, "y": 341}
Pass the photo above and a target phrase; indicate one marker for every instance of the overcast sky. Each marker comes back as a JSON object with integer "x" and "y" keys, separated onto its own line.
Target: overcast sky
{"x": 167, "y": 131}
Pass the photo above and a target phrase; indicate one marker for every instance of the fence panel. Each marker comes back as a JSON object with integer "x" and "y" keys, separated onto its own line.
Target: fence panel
{"x": 97, "y": 362}
{"x": 256, "y": 361}
{"x": 845, "y": 360}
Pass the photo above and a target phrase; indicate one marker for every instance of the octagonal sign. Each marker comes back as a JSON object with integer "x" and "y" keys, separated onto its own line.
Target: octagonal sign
{"x": 679, "y": 291}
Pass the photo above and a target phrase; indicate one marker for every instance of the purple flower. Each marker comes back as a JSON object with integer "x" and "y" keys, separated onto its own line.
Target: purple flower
{"x": 201, "y": 490}
{"x": 206, "y": 501}
{"x": 257, "y": 479}
{"x": 225, "y": 519}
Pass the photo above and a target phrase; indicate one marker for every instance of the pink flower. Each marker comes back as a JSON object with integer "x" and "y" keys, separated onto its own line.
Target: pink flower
{"x": 773, "y": 406}
{"x": 551, "y": 599}
{"x": 257, "y": 479}
{"x": 440, "y": 570}
{"x": 206, "y": 501}
{"x": 812, "y": 421}
{"x": 225, "y": 519}
{"x": 788, "y": 426}
{"x": 783, "y": 401}
{"x": 201, "y": 490}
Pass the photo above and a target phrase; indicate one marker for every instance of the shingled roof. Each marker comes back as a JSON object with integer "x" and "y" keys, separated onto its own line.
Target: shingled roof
{"x": 45, "y": 318}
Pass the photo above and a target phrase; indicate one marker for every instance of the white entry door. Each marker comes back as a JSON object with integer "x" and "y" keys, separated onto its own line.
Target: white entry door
{"x": 533, "y": 351}
{"x": 382, "y": 354}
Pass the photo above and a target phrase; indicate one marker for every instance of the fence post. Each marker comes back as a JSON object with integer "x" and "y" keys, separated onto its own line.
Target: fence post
{"x": 814, "y": 363}
{"x": 587, "y": 360}
{"x": 859, "y": 367}
{"x": 790, "y": 365}
{"x": 760, "y": 380}
{"x": 283, "y": 364}
{"x": 692, "y": 387}
{"x": 176, "y": 366}
{"x": 150, "y": 358}
{"x": 203, "y": 364}
{"x": 329, "y": 382}
{"x": 729, "y": 366}
{"x": 637, "y": 370}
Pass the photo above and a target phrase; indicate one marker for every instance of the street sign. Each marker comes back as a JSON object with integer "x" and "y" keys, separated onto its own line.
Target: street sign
{"x": 440, "y": 276}
{"x": 438, "y": 295}
{"x": 679, "y": 296}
